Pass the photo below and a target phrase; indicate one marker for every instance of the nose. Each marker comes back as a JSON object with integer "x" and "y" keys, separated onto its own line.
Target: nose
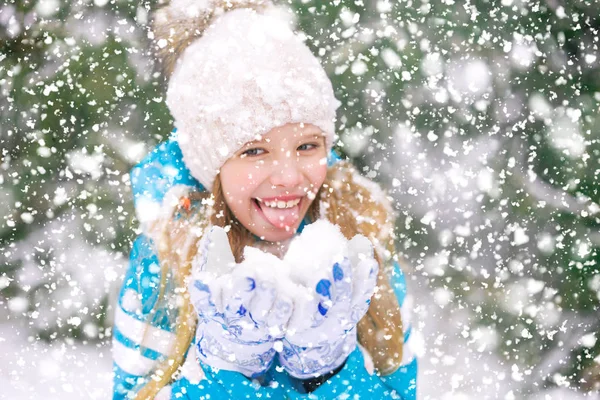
{"x": 286, "y": 172}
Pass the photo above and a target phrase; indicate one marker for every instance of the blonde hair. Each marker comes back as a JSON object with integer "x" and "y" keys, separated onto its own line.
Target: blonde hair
{"x": 345, "y": 199}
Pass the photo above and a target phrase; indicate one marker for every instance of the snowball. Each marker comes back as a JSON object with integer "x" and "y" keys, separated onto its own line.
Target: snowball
{"x": 321, "y": 237}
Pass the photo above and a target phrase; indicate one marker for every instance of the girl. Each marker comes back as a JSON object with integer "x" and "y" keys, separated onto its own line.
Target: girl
{"x": 260, "y": 286}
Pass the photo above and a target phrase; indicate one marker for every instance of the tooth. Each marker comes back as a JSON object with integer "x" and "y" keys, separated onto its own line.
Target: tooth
{"x": 291, "y": 203}
{"x": 281, "y": 204}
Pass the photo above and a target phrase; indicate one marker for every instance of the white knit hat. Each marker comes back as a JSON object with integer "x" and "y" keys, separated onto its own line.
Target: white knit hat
{"x": 247, "y": 74}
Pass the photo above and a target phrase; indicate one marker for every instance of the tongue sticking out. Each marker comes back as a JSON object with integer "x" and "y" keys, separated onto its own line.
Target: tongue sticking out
{"x": 281, "y": 217}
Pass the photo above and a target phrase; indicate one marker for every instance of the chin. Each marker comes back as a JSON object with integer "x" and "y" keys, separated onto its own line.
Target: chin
{"x": 279, "y": 237}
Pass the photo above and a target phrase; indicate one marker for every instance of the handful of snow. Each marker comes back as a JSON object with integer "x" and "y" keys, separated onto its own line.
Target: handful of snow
{"x": 312, "y": 253}
{"x": 317, "y": 248}
{"x": 309, "y": 260}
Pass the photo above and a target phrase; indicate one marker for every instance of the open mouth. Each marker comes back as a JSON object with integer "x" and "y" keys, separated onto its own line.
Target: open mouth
{"x": 280, "y": 213}
{"x": 279, "y": 204}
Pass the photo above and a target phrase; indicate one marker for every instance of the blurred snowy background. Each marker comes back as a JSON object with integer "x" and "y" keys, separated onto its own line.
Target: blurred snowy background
{"x": 481, "y": 118}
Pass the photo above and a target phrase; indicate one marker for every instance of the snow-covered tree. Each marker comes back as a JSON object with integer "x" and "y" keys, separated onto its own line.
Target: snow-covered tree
{"x": 80, "y": 102}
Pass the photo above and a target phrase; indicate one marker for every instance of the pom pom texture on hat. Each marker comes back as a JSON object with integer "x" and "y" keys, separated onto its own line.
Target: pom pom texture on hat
{"x": 177, "y": 24}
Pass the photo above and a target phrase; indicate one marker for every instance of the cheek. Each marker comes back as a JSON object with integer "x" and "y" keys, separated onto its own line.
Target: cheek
{"x": 235, "y": 193}
{"x": 233, "y": 177}
{"x": 317, "y": 174}
{"x": 239, "y": 188}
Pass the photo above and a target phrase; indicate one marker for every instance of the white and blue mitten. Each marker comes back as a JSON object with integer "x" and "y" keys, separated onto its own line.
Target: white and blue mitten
{"x": 240, "y": 312}
{"x": 332, "y": 281}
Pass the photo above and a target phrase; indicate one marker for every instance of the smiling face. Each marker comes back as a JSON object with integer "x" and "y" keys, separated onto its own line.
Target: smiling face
{"x": 269, "y": 184}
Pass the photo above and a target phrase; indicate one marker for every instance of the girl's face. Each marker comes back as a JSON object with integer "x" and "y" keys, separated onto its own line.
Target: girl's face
{"x": 269, "y": 184}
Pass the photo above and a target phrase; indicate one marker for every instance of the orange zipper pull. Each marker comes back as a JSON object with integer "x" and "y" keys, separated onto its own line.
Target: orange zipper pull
{"x": 185, "y": 203}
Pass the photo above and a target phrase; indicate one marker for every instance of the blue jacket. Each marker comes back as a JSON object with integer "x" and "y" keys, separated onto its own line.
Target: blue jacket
{"x": 136, "y": 353}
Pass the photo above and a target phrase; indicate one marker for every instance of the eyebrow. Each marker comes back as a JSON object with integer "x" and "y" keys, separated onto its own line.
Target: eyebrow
{"x": 317, "y": 136}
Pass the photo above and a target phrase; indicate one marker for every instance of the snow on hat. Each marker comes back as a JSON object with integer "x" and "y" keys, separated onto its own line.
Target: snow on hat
{"x": 239, "y": 71}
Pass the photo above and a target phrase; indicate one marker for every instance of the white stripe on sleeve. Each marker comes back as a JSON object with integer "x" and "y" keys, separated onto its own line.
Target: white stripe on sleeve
{"x": 130, "y": 360}
{"x": 156, "y": 339}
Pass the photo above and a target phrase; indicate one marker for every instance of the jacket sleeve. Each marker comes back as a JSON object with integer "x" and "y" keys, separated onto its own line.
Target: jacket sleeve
{"x": 143, "y": 330}
{"x": 142, "y": 333}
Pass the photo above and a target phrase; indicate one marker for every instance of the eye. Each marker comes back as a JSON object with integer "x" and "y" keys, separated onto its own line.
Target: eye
{"x": 257, "y": 151}
{"x": 308, "y": 146}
